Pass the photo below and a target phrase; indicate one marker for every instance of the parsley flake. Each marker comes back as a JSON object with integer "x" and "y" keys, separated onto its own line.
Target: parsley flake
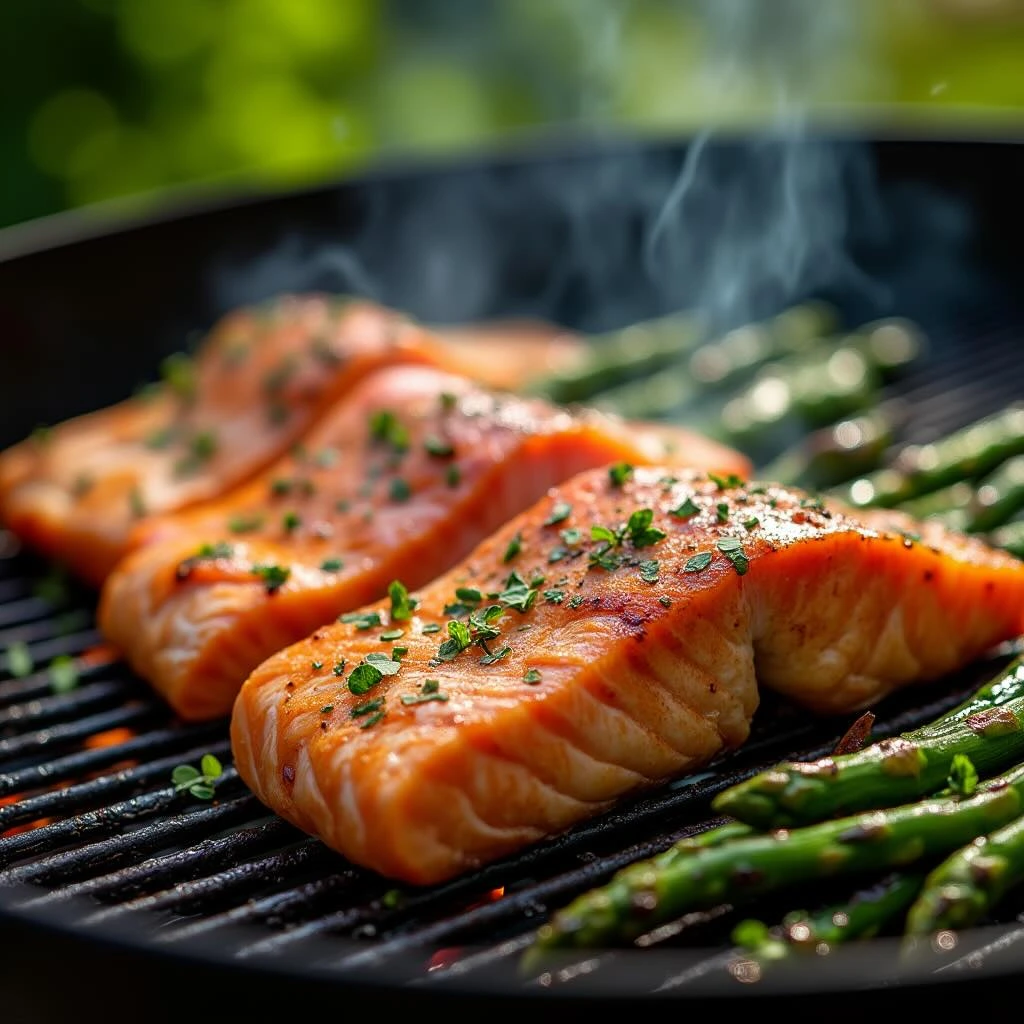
{"x": 751, "y": 523}
{"x": 722, "y": 512}
{"x": 430, "y": 627}
{"x": 699, "y": 562}
{"x": 666, "y": 601}
{"x": 274, "y": 576}
{"x": 339, "y": 667}
{"x": 532, "y": 676}
{"x": 383, "y": 664}
{"x": 452, "y": 476}
{"x": 733, "y": 550}
{"x": 364, "y": 678}
{"x": 649, "y": 571}
{"x": 515, "y": 545}
{"x": 361, "y": 620}
{"x": 402, "y": 605}
{"x": 430, "y": 690}
{"x": 198, "y": 782}
{"x": 490, "y": 659}
{"x": 560, "y": 511}
{"x": 245, "y": 523}
{"x": 385, "y": 426}
{"x": 458, "y": 640}
{"x": 619, "y": 473}
{"x": 367, "y": 707}
{"x": 332, "y": 565}
{"x": 290, "y": 521}
{"x": 686, "y": 510}
{"x": 399, "y": 489}
{"x": 724, "y": 483}
{"x": 439, "y": 448}
{"x": 554, "y": 596}
{"x": 641, "y": 533}
{"x": 517, "y": 593}
{"x": 575, "y": 601}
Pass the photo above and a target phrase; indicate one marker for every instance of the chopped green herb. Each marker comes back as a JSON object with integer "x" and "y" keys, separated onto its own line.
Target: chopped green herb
{"x": 326, "y": 709}
{"x": 438, "y": 448}
{"x": 361, "y": 620}
{"x": 332, "y": 565}
{"x": 641, "y": 533}
{"x": 733, "y": 550}
{"x": 554, "y": 596}
{"x": 598, "y": 532}
{"x": 373, "y": 719}
{"x": 136, "y": 503}
{"x": 199, "y": 782}
{"x": 531, "y": 675}
{"x": 490, "y": 659}
{"x": 619, "y": 473}
{"x": 535, "y": 581}
{"x": 699, "y": 562}
{"x": 274, "y": 576}
{"x": 383, "y": 664}
{"x": 815, "y": 503}
{"x": 458, "y": 640}
{"x": 750, "y": 523}
{"x": 179, "y": 374}
{"x": 517, "y": 593}
{"x": 160, "y": 438}
{"x": 556, "y": 554}
{"x": 480, "y": 623}
{"x": 364, "y": 678}
{"x": 515, "y": 545}
{"x": 316, "y": 665}
{"x": 559, "y": 513}
{"x": 722, "y": 512}
{"x": 470, "y": 594}
{"x": 452, "y": 476}
{"x": 575, "y": 601}
{"x": 367, "y": 707}
{"x": 290, "y": 522}
{"x": 63, "y": 674}
{"x": 430, "y": 627}
{"x": 281, "y": 485}
{"x": 385, "y": 426}
{"x": 666, "y": 601}
{"x": 392, "y": 634}
{"x": 649, "y": 571}
{"x": 724, "y": 483}
{"x": 430, "y": 690}
{"x": 399, "y": 652}
{"x": 214, "y": 551}
{"x": 686, "y": 509}
{"x": 605, "y": 558}
{"x": 572, "y": 535}
{"x": 275, "y": 380}
{"x": 19, "y": 659}
{"x": 402, "y": 605}
{"x": 339, "y": 667}
{"x": 399, "y": 489}
{"x": 447, "y": 401}
{"x": 245, "y": 523}
{"x": 326, "y": 457}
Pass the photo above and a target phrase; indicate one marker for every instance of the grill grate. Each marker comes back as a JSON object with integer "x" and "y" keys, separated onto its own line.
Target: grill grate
{"x": 90, "y": 823}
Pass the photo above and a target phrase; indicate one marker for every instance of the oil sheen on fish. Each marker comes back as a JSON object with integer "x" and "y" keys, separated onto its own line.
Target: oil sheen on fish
{"x": 260, "y": 379}
{"x": 622, "y": 645}
{"x": 400, "y": 480}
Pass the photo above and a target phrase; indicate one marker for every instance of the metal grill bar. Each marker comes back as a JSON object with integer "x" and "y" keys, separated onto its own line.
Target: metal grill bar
{"x": 38, "y": 685}
{"x": 112, "y": 852}
{"x": 96, "y": 791}
{"x": 83, "y": 763}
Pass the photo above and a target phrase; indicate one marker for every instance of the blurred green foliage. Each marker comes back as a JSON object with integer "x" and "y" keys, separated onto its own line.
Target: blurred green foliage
{"x": 124, "y": 98}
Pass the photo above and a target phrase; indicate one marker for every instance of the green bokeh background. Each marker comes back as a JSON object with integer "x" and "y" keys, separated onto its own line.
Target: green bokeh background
{"x": 128, "y": 99}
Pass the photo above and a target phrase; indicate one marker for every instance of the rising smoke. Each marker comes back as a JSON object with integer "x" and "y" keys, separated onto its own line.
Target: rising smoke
{"x": 600, "y": 230}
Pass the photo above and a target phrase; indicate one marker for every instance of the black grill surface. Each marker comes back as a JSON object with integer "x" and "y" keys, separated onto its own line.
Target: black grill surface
{"x": 95, "y": 841}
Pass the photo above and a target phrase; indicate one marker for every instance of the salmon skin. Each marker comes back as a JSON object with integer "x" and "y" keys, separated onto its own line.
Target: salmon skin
{"x": 622, "y": 646}
{"x": 400, "y": 480}
{"x": 260, "y": 379}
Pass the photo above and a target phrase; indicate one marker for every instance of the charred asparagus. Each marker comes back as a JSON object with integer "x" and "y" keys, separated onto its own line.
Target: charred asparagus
{"x": 988, "y": 728}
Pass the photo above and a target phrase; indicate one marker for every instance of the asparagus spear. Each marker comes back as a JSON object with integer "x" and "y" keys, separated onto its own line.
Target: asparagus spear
{"x": 963, "y": 455}
{"x": 1009, "y": 537}
{"x": 631, "y": 352}
{"x": 965, "y": 886}
{"x": 863, "y": 916}
{"x": 831, "y": 455}
{"x": 998, "y": 496}
{"x": 988, "y": 728}
{"x": 719, "y": 364}
{"x": 643, "y": 895}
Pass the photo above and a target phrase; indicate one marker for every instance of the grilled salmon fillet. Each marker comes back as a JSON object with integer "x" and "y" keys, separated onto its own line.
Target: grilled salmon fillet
{"x": 260, "y": 379}
{"x": 622, "y": 645}
{"x": 400, "y": 480}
